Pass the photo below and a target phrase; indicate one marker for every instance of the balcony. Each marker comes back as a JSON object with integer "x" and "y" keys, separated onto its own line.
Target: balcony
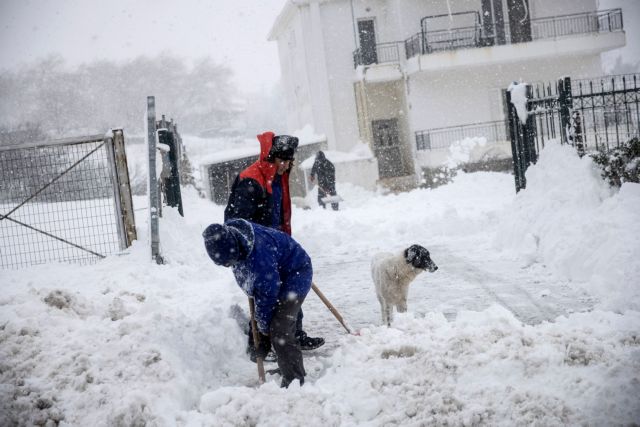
{"x": 384, "y": 53}
{"x": 475, "y": 36}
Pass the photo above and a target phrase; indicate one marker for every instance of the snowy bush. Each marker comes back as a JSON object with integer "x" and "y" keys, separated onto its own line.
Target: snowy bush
{"x": 622, "y": 164}
{"x": 435, "y": 177}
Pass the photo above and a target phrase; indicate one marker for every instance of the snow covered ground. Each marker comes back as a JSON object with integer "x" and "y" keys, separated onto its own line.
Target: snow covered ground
{"x": 532, "y": 318}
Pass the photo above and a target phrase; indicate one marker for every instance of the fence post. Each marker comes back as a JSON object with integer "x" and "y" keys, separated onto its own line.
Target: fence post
{"x": 123, "y": 196}
{"x": 152, "y": 187}
{"x": 565, "y": 101}
{"x": 512, "y": 131}
{"x": 529, "y": 134}
{"x": 171, "y": 183}
{"x": 522, "y": 138}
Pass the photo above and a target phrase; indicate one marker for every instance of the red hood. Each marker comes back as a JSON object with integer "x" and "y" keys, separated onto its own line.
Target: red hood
{"x": 266, "y": 141}
{"x": 264, "y": 172}
{"x": 267, "y": 169}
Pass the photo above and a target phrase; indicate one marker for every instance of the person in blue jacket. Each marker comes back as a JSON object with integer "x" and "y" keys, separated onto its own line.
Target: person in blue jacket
{"x": 260, "y": 194}
{"x": 274, "y": 270}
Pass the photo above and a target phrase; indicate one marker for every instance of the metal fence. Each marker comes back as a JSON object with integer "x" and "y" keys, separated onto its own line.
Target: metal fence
{"x": 472, "y": 36}
{"x": 590, "y": 114}
{"x": 439, "y": 138}
{"x": 66, "y": 200}
{"x": 384, "y": 53}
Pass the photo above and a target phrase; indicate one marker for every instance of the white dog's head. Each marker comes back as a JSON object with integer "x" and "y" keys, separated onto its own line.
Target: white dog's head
{"x": 418, "y": 257}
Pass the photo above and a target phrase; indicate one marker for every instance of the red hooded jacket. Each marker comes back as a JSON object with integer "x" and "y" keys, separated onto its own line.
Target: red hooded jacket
{"x": 251, "y": 196}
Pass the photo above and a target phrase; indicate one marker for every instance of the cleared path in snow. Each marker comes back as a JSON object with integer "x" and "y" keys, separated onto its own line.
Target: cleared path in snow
{"x": 465, "y": 281}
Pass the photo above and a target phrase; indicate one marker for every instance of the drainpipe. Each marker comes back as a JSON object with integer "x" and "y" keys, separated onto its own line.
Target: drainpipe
{"x": 353, "y": 23}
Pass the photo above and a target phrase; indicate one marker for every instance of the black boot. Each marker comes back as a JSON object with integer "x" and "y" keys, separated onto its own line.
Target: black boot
{"x": 270, "y": 357}
{"x": 308, "y": 343}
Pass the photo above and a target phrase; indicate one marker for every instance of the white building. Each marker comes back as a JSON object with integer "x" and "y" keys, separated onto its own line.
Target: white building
{"x": 390, "y": 72}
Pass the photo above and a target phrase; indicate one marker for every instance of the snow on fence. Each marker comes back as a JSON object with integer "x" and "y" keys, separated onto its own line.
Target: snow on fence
{"x": 591, "y": 114}
{"x": 67, "y": 200}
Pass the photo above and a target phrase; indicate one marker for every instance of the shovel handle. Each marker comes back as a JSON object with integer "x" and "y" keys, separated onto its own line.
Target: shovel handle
{"x": 330, "y": 306}
{"x": 256, "y": 340}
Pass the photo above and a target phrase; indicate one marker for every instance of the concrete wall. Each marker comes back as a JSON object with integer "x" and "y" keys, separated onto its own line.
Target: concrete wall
{"x": 543, "y": 8}
{"x": 464, "y": 96}
{"x": 293, "y": 66}
{"x": 360, "y": 172}
{"x": 339, "y": 44}
{"x": 440, "y": 156}
{"x": 387, "y": 101}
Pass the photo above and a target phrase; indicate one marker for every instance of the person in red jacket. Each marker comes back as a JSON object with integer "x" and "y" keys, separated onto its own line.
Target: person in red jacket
{"x": 260, "y": 194}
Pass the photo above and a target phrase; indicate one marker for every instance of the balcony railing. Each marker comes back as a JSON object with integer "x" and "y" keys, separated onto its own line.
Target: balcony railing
{"x": 551, "y": 27}
{"x": 439, "y": 138}
{"x": 383, "y": 53}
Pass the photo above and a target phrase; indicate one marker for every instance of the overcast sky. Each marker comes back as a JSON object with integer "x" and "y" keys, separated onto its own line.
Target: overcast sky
{"x": 230, "y": 31}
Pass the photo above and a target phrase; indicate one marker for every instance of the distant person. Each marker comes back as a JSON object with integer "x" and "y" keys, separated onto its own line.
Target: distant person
{"x": 260, "y": 194}
{"x": 276, "y": 272}
{"x": 325, "y": 172}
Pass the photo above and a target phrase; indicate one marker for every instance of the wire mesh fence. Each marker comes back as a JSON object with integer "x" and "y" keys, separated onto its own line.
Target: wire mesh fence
{"x": 59, "y": 201}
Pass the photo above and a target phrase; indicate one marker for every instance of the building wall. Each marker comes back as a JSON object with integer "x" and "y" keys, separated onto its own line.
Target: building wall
{"x": 543, "y": 8}
{"x": 293, "y": 66}
{"x": 465, "y": 96}
{"x": 387, "y": 101}
{"x": 339, "y": 44}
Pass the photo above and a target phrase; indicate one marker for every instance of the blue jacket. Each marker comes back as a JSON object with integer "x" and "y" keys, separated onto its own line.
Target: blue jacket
{"x": 276, "y": 268}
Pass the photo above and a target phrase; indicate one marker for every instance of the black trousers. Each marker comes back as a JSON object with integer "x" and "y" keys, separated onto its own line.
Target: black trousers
{"x": 298, "y": 327}
{"x": 283, "y": 340}
{"x": 322, "y": 194}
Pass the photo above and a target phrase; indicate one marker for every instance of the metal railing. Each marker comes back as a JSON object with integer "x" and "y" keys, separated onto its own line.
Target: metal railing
{"x": 426, "y": 42}
{"x": 577, "y": 23}
{"x": 442, "y": 138}
{"x": 591, "y": 114}
{"x": 383, "y": 53}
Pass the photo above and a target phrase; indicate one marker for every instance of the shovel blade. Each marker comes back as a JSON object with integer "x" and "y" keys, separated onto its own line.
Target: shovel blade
{"x": 332, "y": 199}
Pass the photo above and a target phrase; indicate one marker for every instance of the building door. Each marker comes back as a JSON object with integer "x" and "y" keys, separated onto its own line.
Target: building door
{"x": 492, "y": 22}
{"x": 387, "y": 149}
{"x": 519, "y": 20}
{"x": 367, "y": 34}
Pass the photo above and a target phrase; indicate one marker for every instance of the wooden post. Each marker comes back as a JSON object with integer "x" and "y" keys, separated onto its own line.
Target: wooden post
{"x": 330, "y": 306}
{"x": 256, "y": 340}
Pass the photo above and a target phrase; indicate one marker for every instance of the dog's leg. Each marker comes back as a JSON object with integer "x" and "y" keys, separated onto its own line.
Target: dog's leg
{"x": 388, "y": 312}
{"x": 383, "y": 311}
{"x": 402, "y": 306}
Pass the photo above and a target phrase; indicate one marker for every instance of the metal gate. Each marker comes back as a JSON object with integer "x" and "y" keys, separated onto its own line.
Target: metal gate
{"x": 67, "y": 201}
{"x": 590, "y": 114}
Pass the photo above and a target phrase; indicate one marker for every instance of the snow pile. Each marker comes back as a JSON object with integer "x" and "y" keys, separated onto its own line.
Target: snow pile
{"x": 519, "y": 100}
{"x": 486, "y": 340}
{"x": 460, "y": 151}
{"x": 569, "y": 219}
{"x": 483, "y": 368}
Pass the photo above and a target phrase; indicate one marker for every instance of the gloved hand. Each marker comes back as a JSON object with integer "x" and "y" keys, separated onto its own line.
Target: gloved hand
{"x": 264, "y": 346}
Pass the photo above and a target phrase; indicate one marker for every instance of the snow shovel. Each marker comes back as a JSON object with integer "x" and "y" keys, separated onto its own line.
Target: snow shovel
{"x": 331, "y": 308}
{"x": 330, "y": 199}
{"x": 256, "y": 340}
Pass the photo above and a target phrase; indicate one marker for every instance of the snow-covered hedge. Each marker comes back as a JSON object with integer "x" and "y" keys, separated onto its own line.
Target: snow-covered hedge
{"x": 622, "y": 164}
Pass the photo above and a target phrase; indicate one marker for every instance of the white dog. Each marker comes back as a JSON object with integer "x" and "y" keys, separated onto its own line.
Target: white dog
{"x": 392, "y": 274}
